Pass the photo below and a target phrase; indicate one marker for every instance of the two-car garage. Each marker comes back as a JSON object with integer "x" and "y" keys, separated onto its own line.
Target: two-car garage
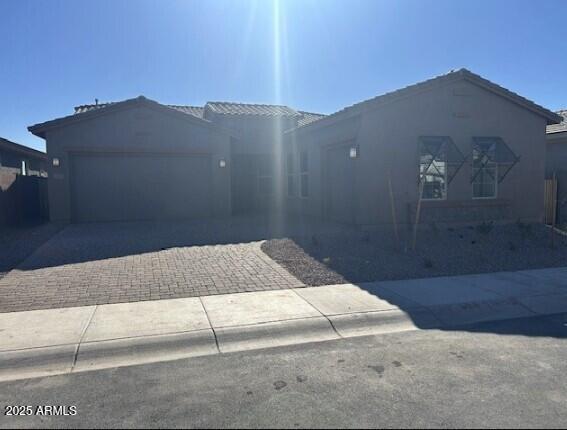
{"x": 136, "y": 160}
{"x": 144, "y": 186}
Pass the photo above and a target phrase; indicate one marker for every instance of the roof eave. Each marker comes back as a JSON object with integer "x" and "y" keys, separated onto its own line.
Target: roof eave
{"x": 552, "y": 117}
{"x": 16, "y": 147}
{"x": 555, "y": 135}
{"x": 326, "y": 120}
{"x": 41, "y": 128}
{"x": 357, "y": 108}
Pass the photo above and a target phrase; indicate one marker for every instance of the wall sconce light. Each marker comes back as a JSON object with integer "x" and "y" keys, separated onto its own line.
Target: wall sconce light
{"x": 353, "y": 153}
{"x": 222, "y": 164}
{"x": 55, "y": 162}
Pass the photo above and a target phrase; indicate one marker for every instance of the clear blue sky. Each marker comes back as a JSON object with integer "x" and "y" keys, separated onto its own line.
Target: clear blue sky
{"x": 316, "y": 55}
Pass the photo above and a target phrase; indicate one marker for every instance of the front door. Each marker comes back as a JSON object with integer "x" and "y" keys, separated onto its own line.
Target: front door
{"x": 243, "y": 184}
{"x": 339, "y": 184}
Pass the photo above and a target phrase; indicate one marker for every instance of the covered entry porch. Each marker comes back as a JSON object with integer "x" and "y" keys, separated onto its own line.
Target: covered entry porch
{"x": 255, "y": 188}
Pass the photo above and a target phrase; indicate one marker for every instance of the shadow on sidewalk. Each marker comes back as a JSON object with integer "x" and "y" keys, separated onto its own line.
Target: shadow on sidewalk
{"x": 372, "y": 260}
{"x": 510, "y": 309}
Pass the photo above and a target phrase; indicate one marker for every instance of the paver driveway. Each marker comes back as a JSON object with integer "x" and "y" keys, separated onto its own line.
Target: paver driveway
{"x": 123, "y": 262}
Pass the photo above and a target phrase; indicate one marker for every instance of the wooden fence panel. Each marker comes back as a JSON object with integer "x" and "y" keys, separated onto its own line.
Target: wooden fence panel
{"x": 22, "y": 199}
{"x": 550, "y": 201}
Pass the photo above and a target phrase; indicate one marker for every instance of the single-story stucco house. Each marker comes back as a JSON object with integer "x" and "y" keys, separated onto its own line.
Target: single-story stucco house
{"x": 556, "y": 164}
{"x": 471, "y": 149}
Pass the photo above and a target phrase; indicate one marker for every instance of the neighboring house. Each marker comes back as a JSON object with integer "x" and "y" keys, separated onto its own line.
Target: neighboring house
{"x": 557, "y": 162}
{"x": 21, "y": 160}
{"x": 23, "y": 186}
{"x": 474, "y": 151}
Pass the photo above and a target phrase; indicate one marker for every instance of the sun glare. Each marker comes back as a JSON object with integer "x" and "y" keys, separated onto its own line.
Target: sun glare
{"x": 278, "y": 40}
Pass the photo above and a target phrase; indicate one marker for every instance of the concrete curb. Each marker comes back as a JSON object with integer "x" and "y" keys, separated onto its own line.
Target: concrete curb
{"x": 545, "y": 304}
{"x": 35, "y": 362}
{"x": 64, "y": 359}
{"x": 86, "y": 356}
{"x": 271, "y": 334}
{"x": 380, "y": 322}
{"x": 145, "y": 349}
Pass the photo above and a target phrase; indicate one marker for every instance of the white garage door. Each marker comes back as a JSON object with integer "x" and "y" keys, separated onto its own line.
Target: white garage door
{"x": 124, "y": 187}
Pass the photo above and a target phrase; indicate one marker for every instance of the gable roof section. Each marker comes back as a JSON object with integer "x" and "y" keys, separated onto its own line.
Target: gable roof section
{"x": 228, "y": 108}
{"x": 85, "y": 112}
{"x": 197, "y": 111}
{"x": 452, "y": 76}
{"x": 309, "y": 117}
{"x": 219, "y": 108}
{"x": 232, "y": 108}
{"x": 190, "y": 110}
{"x": 222, "y": 108}
{"x": 8, "y": 145}
{"x": 561, "y": 127}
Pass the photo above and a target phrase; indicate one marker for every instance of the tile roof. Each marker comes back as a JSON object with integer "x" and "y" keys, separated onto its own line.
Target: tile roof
{"x": 308, "y": 118}
{"x": 561, "y": 127}
{"x": 231, "y": 108}
{"x": 89, "y": 111}
{"x": 86, "y": 108}
{"x": 228, "y": 108}
{"x": 451, "y": 75}
{"x": 198, "y": 113}
{"x": 192, "y": 110}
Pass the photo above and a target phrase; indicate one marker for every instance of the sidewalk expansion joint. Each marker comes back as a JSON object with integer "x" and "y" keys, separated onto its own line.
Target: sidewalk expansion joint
{"x": 325, "y": 316}
{"x": 211, "y": 324}
{"x": 76, "y": 355}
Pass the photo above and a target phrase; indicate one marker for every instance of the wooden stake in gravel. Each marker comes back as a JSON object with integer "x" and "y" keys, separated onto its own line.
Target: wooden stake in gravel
{"x": 554, "y": 208}
{"x": 417, "y": 213}
{"x": 393, "y": 206}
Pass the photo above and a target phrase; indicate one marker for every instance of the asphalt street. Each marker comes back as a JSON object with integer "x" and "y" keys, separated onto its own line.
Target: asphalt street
{"x": 504, "y": 374}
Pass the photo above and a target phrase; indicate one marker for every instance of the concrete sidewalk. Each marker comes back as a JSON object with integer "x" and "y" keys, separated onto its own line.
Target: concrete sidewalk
{"x": 43, "y": 342}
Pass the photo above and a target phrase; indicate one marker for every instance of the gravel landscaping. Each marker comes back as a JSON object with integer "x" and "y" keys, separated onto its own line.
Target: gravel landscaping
{"x": 441, "y": 251}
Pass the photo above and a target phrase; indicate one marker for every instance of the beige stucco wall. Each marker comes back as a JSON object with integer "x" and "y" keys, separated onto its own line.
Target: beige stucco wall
{"x": 388, "y": 140}
{"x": 139, "y": 129}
